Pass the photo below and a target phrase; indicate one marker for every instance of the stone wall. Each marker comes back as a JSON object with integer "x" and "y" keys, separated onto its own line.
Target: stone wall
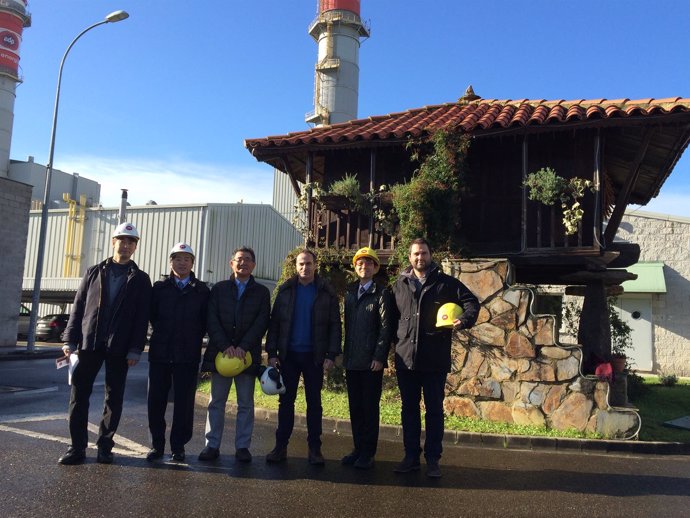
{"x": 666, "y": 239}
{"x": 510, "y": 368}
{"x": 15, "y": 202}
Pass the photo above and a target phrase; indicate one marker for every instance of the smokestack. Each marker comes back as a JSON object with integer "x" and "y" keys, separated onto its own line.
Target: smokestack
{"x": 122, "y": 215}
{"x": 337, "y": 29}
{"x": 13, "y": 18}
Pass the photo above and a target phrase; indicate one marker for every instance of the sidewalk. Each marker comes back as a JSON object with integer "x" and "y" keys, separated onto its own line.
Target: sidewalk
{"x": 42, "y": 350}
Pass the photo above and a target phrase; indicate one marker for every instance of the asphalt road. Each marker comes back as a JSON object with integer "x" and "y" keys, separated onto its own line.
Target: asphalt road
{"x": 476, "y": 482}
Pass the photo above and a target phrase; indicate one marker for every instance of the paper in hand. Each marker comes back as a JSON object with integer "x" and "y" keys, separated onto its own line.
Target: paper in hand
{"x": 62, "y": 362}
{"x": 73, "y": 361}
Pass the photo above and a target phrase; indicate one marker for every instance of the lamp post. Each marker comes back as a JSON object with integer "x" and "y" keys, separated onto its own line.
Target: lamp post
{"x": 36, "y": 296}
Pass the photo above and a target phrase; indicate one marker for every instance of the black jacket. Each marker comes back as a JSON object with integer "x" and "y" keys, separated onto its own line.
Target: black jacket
{"x": 126, "y": 334}
{"x": 325, "y": 321}
{"x": 368, "y": 329}
{"x": 178, "y": 319}
{"x": 420, "y": 344}
{"x": 239, "y": 323}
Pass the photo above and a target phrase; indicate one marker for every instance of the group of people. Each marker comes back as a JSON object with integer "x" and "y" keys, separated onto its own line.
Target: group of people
{"x": 115, "y": 303}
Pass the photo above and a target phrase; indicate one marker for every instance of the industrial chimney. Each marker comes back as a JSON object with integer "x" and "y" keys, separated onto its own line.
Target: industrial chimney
{"x": 13, "y": 18}
{"x": 337, "y": 29}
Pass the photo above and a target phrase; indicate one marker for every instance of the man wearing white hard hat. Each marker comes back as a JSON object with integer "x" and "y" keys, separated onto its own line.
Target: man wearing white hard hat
{"x": 238, "y": 313}
{"x": 178, "y": 319}
{"x": 107, "y": 325}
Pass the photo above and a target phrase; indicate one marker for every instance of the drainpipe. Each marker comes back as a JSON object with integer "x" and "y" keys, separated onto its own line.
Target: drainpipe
{"x": 122, "y": 215}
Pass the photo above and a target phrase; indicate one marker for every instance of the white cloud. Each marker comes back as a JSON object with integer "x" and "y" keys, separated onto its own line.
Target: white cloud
{"x": 172, "y": 182}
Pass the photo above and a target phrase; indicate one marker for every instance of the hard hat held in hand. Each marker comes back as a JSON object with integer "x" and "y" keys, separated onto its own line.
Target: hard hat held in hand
{"x": 232, "y": 366}
{"x": 447, "y": 314}
{"x": 272, "y": 382}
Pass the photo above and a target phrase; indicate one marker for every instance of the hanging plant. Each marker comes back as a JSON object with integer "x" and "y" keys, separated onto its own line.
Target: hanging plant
{"x": 300, "y": 219}
{"x": 547, "y": 187}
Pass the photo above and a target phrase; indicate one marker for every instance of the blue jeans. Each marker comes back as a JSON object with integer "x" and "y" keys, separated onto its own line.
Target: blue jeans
{"x": 291, "y": 367}
{"x": 215, "y": 419}
{"x": 412, "y": 384}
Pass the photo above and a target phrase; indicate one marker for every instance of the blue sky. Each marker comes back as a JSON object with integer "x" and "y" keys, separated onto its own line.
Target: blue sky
{"x": 160, "y": 103}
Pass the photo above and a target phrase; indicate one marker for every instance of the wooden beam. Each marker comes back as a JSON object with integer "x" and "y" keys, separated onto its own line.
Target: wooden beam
{"x": 624, "y": 193}
{"x": 293, "y": 180}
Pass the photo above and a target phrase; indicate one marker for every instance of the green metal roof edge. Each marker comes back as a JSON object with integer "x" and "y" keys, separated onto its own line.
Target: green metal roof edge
{"x": 650, "y": 278}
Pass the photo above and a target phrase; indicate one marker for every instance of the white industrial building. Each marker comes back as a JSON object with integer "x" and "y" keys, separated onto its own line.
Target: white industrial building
{"x": 80, "y": 238}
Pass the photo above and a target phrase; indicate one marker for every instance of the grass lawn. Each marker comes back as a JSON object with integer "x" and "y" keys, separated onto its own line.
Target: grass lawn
{"x": 660, "y": 404}
{"x": 657, "y": 405}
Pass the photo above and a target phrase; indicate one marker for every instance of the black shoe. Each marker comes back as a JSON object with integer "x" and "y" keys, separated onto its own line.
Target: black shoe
{"x": 350, "y": 458}
{"x": 104, "y": 456}
{"x": 277, "y": 454}
{"x": 315, "y": 457}
{"x": 243, "y": 455}
{"x": 72, "y": 456}
{"x": 177, "y": 456}
{"x": 154, "y": 454}
{"x": 208, "y": 454}
{"x": 364, "y": 462}
{"x": 433, "y": 470}
{"x": 407, "y": 465}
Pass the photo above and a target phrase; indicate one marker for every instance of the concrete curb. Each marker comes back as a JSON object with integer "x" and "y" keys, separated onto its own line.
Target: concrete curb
{"x": 41, "y": 352}
{"x": 485, "y": 440}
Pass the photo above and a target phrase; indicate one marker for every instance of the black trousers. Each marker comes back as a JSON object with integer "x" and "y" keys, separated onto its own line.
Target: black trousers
{"x": 90, "y": 363}
{"x": 412, "y": 384}
{"x": 183, "y": 379}
{"x": 364, "y": 397}
{"x": 294, "y": 365}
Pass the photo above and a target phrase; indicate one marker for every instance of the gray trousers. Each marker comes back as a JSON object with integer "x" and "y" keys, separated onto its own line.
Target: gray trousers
{"x": 215, "y": 419}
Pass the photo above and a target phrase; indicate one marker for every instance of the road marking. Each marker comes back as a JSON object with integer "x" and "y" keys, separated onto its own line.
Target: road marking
{"x": 128, "y": 447}
{"x": 34, "y": 391}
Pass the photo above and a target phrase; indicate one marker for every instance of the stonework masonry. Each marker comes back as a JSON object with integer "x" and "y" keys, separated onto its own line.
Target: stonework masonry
{"x": 510, "y": 368}
{"x": 666, "y": 239}
{"x": 15, "y": 202}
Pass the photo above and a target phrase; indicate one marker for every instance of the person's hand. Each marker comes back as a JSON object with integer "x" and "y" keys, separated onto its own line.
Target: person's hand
{"x": 66, "y": 350}
{"x": 328, "y": 364}
{"x": 273, "y": 362}
{"x": 376, "y": 365}
{"x": 458, "y": 324}
{"x": 132, "y": 363}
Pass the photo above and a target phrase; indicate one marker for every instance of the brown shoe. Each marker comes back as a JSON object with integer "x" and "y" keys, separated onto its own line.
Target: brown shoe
{"x": 277, "y": 454}
{"x": 315, "y": 457}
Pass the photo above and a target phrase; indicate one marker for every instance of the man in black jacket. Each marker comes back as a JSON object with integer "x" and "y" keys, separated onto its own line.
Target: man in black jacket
{"x": 422, "y": 351}
{"x": 108, "y": 325}
{"x": 238, "y": 313}
{"x": 368, "y": 330}
{"x": 178, "y": 320}
{"x": 304, "y": 338}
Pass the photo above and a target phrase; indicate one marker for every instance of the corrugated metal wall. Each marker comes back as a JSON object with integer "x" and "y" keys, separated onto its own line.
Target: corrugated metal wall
{"x": 284, "y": 197}
{"x": 213, "y": 230}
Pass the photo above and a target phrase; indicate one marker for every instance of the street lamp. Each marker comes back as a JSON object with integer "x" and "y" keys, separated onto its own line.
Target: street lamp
{"x": 36, "y": 296}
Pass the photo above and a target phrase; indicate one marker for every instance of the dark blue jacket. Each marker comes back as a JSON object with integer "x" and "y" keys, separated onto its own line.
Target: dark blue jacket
{"x": 239, "y": 323}
{"x": 178, "y": 319}
{"x": 126, "y": 335}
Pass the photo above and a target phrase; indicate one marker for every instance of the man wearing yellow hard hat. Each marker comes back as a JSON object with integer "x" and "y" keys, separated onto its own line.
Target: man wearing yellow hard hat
{"x": 425, "y": 297}
{"x": 368, "y": 332}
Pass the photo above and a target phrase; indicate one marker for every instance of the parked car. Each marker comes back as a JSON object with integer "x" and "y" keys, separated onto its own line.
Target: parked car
{"x": 50, "y": 327}
{"x": 23, "y": 321}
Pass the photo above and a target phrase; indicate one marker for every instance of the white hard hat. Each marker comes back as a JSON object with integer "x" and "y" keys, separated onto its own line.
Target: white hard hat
{"x": 272, "y": 382}
{"x": 182, "y": 248}
{"x": 126, "y": 229}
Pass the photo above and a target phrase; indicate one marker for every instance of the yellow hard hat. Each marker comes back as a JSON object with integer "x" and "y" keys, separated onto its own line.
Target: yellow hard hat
{"x": 367, "y": 252}
{"x": 231, "y": 366}
{"x": 447, "y": 314}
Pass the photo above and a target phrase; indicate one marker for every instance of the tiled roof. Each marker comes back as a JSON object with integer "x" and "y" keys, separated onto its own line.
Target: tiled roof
{"x": 475, "y": 116}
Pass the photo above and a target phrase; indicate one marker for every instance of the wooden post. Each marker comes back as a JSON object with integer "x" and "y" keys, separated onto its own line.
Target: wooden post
{"x": 594, "y": 332}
